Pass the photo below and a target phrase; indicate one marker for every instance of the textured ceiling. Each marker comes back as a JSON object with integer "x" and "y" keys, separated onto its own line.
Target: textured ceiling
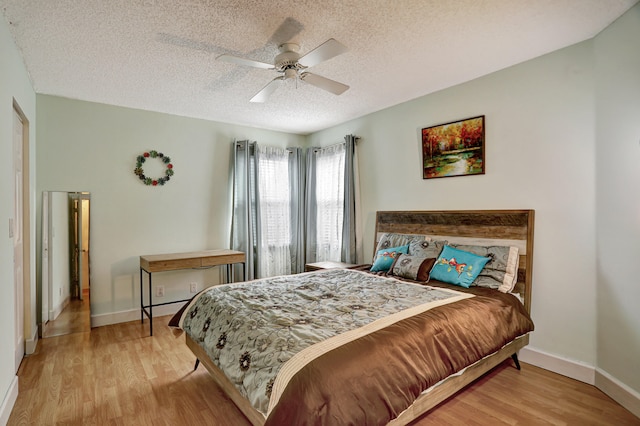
{"x": 160, "y": 55}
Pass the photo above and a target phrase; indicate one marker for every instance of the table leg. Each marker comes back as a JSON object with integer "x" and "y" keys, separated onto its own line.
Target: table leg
{"x": 141, "y": 300}
{"x": 150, "y": 307}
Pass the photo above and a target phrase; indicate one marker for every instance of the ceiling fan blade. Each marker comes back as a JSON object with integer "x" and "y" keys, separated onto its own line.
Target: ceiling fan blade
{"x": 286, "y": 31}
{"x": 244, "y": 61}
{"x": 267, "y": 90}
{"x": 326, "y": 50}
{"x": 189, "y": 43}
{"x": 324, "y": 83}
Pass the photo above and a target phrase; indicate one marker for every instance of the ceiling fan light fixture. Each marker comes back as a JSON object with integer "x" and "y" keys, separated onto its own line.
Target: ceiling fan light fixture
{"x": 291, "y": 73}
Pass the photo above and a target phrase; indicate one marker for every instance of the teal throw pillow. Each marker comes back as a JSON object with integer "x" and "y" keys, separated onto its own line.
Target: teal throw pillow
{"x": 385, "y": 257}
{"x": 458, "y": 267}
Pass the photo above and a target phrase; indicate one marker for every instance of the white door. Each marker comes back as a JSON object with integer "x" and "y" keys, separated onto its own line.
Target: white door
{"x": 16, "y": 230}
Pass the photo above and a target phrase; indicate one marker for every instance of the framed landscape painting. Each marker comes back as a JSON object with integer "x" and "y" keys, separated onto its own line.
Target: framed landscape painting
{"x": 453, "y": 149}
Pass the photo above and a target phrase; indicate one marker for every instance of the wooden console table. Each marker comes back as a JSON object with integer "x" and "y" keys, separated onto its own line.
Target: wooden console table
{"x": 175, "y": 261}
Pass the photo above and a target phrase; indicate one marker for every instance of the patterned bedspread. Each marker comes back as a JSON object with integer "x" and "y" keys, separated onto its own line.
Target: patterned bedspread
{"x": 251, "y": 330}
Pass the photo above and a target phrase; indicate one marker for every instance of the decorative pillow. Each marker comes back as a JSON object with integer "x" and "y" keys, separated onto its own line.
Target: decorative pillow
{"x": 501, "y": 272}
{"x": 427, "y": 248}
{"x": 385, "y": 257}
{"x": 412, "y": 267}
{"x": 457, "y": 266}
{"x": 388, "y": 239}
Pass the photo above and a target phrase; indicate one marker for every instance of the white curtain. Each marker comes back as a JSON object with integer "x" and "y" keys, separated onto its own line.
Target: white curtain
{"x": 329, "y": 196}
{"x": 332, "y": 203}
{"x": 274, "y": 211}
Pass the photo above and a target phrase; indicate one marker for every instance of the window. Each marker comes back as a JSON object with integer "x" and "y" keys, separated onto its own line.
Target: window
{"x": 274, "y": 196}
{"x": 266, "y": 209}
{"x": 329, "y": 199}
{"x": 286, "y": 214}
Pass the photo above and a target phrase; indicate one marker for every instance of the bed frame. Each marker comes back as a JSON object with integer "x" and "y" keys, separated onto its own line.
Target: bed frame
{"x": 482, "y": 227}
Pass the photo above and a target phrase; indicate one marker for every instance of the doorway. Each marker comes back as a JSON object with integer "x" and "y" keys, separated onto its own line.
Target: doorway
{"x": 79, "y": 208}
{"x": 66, "y": 263}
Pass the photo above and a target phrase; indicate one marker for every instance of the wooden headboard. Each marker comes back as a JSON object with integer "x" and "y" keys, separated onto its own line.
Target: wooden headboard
{"x": 481, "y": 227}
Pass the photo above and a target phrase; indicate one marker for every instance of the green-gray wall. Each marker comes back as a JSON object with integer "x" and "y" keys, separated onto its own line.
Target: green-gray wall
{"x": 540, "y": 154}
{"x": 84, "y": 146}
{"x": 562, "y": 137}
{"x": 617, "y": 53}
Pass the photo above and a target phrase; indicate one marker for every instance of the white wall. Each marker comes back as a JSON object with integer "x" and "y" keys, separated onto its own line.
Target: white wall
{"x": 14, "y": 84}
{"x": 617, "y": 55}
{"x": 539, "y": 119}
{"x": 93, "y": 147}
{"x": 59, "y": 252}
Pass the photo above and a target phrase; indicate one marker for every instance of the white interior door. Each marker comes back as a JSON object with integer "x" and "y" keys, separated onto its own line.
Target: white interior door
{"x": 17, "y": 233}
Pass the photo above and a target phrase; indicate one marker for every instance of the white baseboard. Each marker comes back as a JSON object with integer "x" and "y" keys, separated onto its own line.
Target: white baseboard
{"x": 133, "y": 315}
{"x": 9, "y": 401}
{"x": 31, "y": 343}
{"x": 53, "y": 314}
{"x": 570, "y": 368}
{"x": 618, "y": 391}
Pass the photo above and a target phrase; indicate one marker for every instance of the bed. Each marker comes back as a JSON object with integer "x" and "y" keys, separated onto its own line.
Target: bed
{"x": 410, "y": 346}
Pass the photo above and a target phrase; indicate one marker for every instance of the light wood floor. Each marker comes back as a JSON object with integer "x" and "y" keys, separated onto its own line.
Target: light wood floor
{"x": 118, "y": 375}
{"x": 74, "y": 318}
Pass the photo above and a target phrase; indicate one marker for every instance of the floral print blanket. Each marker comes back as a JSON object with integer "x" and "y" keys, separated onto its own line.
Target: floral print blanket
{"x": 251, "y": 329}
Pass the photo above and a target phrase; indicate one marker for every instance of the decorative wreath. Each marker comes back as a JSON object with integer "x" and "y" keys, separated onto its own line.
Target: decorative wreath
{"x": 153, "y": 181}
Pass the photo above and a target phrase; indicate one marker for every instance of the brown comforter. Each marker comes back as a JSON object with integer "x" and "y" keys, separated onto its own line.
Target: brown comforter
{"x": 371, "y": 380}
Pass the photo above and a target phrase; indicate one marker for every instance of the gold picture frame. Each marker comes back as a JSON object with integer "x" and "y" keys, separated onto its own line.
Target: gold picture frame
{"x": 453, "y": 149}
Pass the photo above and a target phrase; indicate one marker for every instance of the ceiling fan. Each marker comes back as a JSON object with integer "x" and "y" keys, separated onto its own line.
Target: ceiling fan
{"x": 292, "y": 65}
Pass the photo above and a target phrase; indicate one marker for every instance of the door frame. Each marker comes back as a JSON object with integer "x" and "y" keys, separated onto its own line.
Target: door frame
{"x": 26, "y": 235}
{"x": 83, "y": 260}
{"x": 77, "y": 247}
{"x": 45, "y": 272}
